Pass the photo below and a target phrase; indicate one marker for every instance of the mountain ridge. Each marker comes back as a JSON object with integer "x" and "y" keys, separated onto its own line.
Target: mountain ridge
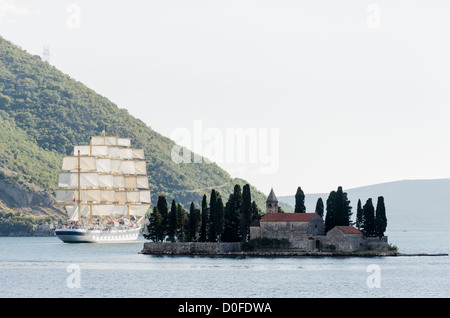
{"x": 50, "y": 112}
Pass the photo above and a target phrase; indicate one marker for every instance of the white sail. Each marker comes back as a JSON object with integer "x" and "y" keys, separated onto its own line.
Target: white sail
{"x": 138, "y": 154}
{"x": 106, "y": 181}
{"x": 125, "y": 142}
{"x": 70, "y": 180}
{"x": 142, "y": 182}
{"x": 140, "y": 167}
{"x": 103, "y": 165}
{"x": 116, "y": 166}
{"x": 144, "y": 196}
{"x": 113, "y": 179}
{"x": 128, "y": 167}
{"x": 119, "y": 182}
{"x": 114, "y": 152}
{"x": 108, "y": 196}
{"x": 126, "y": 153}
{"x": 139, "y": 210}
{"x": 70, "y": 163}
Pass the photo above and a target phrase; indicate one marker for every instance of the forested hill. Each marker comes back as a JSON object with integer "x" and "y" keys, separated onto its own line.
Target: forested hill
{"x": 45, "y": 112}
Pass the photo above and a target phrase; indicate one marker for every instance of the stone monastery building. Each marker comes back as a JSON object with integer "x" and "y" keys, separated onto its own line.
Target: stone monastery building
{"x": 305, "y": 231}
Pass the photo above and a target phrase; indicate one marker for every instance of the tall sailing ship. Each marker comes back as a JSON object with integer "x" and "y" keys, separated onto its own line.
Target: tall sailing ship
{"x": 104, "y": 188}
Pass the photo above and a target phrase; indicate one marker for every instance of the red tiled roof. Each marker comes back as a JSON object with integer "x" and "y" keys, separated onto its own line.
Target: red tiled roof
{"x": 287, "y": 217}
{"x": 349, "y": 229}
{"x": 255, "y": 222}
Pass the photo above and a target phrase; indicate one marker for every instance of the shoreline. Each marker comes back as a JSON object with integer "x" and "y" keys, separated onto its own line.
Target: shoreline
{"x": 300, "y": 254}
{"x": 235, "y": 250}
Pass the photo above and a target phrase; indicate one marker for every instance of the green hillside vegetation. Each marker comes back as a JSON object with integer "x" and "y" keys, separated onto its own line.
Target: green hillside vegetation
{"x": 45, "y": 112}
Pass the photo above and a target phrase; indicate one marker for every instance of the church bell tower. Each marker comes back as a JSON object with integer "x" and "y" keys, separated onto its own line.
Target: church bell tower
{"x": 272, "y": 203}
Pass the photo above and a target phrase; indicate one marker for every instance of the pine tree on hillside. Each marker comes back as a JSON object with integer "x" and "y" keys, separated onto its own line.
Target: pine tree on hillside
{"x": 300, "y": 201}
{"x": 319, "y": 207}
{"x": 380, "y": 218}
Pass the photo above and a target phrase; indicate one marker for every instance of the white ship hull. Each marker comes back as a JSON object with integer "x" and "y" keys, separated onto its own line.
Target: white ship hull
{"x": 98, "y": 236}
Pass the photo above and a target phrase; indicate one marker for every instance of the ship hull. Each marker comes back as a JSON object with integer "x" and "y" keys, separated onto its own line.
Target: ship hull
{"x": 98, "y": 236}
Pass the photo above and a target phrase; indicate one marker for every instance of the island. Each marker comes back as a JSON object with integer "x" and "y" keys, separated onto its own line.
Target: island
{"x": 277, "y": 233}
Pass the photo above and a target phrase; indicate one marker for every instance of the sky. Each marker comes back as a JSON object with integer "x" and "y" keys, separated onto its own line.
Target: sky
{"x": 316, "y": 94}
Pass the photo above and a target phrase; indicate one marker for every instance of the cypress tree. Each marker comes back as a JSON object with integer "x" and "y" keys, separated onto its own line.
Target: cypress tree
{"x": 164, "y": 211}
{"x": 194, "y": 218}
{"x": 359, "y": 215}
{"x": 173, "y": 222}
{"x": 380, "y": 218}
{"x": 339, "y": 211}
{"x": 347, "y": 211}
{"x": 154, "y": 228}
{"x": 329, "y": 218}
{"x": 182, "y": 220}
{"x": 233, "y": 208}
{"x": 319, "y": 207}
{"x": 220, "y": 216}
{"x": 339, "y": 208}
{"x": 246, "y": 215}
{"x": 256, "y": 211}
{"x": 300, "y": 201}
{"x": 213, "y": 218}
{"x": 368, "y": 227}
{"x": 205, "y": 220}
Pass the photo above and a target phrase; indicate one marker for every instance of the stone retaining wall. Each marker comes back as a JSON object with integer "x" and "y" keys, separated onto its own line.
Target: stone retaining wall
{"x": 190, "y": 248}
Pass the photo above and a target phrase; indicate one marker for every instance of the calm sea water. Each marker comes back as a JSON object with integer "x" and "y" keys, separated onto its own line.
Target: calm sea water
{"x": 46, "y": 267}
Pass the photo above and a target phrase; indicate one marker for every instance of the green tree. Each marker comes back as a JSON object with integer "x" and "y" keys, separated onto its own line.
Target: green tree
{"x": 182, "y": 228}
{"x": 246, "y": 215}
{"x": 319, "y": 207}
{"x": 256, "y": 211}
{"x": 300, "y": 201}
{"x": 339, "y": 211}
{"x": 359, "y": 215}
{"x": 173, "y": 222}
{"x": 233, "y": 208}
{"x": 205, "y": 220}
{"x": 329, "y": 218}
{"x": 368, "y": 227}
{"x": 213, "y": 216}
{"x": 164, "y": 211}
{"x": 380, "y": 218}
{"x": 194, "y": 222}
{"x": 155, "y": 230}
{"x": 220, "y": 211}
